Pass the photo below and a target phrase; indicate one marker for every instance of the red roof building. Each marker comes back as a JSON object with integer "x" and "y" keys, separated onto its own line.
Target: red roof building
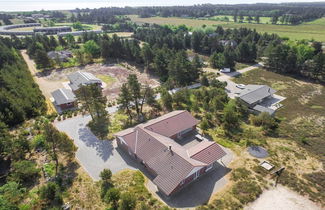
{"x": 155, "y": 144}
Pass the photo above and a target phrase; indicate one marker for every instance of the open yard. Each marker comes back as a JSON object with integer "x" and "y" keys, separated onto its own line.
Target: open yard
{"x": 310, "y": 30}
{"x": 282, "y": 198}
{"x": 113, "y": 75}
{"x": 303, "y": 113}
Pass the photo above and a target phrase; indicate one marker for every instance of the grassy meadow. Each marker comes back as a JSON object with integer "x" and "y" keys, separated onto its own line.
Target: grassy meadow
{"x": 310, "y": 30}
{"x": 303, "y": 111}
{"x": 263, "y": 20}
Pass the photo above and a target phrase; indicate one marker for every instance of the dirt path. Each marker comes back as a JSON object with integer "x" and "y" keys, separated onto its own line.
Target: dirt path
{"x": 281, "y": 198}
{"x": 45, "y": 86}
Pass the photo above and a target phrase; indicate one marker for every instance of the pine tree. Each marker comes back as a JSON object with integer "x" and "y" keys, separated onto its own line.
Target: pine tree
{"x": 42, "y": 60}
{"x": 92, "y": 100}
{"x": 58, "y": 143}
{"x": 147, "y": 55}
{"x": 167, "y": 100}
{"x": 257, "y": 19}
{"x": 124, "y": 100}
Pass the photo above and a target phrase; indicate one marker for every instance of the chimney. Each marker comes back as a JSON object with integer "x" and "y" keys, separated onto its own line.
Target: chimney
{"x": 169, "y": 147}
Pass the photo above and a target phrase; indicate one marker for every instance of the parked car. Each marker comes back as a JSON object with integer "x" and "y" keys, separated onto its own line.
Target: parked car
{"x": 225, "y": 70}
{"x": 199, "y": 137}
{"x": 240, "y": 86}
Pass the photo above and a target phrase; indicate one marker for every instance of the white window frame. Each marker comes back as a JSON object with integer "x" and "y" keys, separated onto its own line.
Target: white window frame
{"x": 197, "y": 174}
{"x": 209, "y": 167}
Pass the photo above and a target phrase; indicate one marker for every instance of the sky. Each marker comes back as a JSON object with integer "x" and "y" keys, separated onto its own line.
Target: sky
{"x": 30, "y": 5}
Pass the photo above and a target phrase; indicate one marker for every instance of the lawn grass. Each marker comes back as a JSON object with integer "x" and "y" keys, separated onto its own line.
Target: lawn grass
{"x": 17, "y": 21}
{"x": 106, "y": 78}
{"x": 263, "y": 20}
{"x": 121, "y": 34}
{"x": 240, "y": 66}
{"x": 310, "y": 30}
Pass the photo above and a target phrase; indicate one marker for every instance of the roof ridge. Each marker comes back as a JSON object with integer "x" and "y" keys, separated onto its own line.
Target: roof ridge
{"x": 188, "y": 159}
{"x": 211, "y": 143}
{"x": 63, "y": 93}
{"x": 157, "y": 121}
{"x": 84, "y": 75}
{"x": 254, "y": 90}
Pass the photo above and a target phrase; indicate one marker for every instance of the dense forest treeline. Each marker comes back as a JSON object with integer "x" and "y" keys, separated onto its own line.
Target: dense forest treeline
{"x": 296, "y": 13}
{"x": 164, "y": 51}
{"x": 285, "y": 13}
{"x": 20, "y": 97}
{"x": 171, "y": 65}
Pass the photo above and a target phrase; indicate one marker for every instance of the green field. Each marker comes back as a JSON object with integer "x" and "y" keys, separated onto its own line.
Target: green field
{"x": 311, "y": 30}
{"x": 263, "y": 20}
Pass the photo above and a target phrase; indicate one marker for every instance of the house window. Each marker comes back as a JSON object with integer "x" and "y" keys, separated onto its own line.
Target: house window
{"x": 180, "y": 134}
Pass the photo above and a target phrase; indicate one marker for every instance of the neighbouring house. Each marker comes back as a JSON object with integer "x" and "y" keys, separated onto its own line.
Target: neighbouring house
{"x": 63, "y": 56}
{"x": 52, "y": 30}
{"x": 259, "y": 98}
{"x": 79, "y": 78}
{"x": 79, "y": 33}
{"x": 64, "y": 98}
{"x": 231, "y": 43}
{"x": 158, "y": 145}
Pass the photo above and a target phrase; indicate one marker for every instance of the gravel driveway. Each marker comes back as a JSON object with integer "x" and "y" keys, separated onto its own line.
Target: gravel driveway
{"x": 93, "y": 154}
{"x": 231, "y": 88}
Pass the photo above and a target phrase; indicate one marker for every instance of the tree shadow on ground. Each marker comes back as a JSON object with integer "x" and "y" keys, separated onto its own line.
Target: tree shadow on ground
{"x": 104, "y": 148}
{"x": 68, "y": 174}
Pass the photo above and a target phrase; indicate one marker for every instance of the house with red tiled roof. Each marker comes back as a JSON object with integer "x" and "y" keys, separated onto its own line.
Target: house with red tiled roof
{"x": 158, "y": 145}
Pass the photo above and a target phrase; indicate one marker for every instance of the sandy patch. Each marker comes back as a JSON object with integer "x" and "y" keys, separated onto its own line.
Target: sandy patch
{"x": 305, "y": 98}
{"x": 280, "y": 198}
{"x": 57, "y": 78}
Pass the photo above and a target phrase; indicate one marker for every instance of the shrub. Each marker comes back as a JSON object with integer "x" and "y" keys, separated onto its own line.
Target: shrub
{"x": 49, "y": 169}
{"x": 259, "y": 170}
{"x": 12, "y": 192}
{"x": 240, "y": 173}
{"x": 266, "y": 121}
{"x": 51, "y": 194}
{"x": 127, "y": 202}
{"x": 24, "y": 171}
{"x": 105, "y": 174}
{"x": 246, "y": 191}
{"x": 38, "y": 142}
{"x": 112, "y": 196}
{"x": 106, "y": 183}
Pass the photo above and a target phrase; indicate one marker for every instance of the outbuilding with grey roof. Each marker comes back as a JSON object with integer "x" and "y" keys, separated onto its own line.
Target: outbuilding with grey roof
{"x": 64, "y": 98}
